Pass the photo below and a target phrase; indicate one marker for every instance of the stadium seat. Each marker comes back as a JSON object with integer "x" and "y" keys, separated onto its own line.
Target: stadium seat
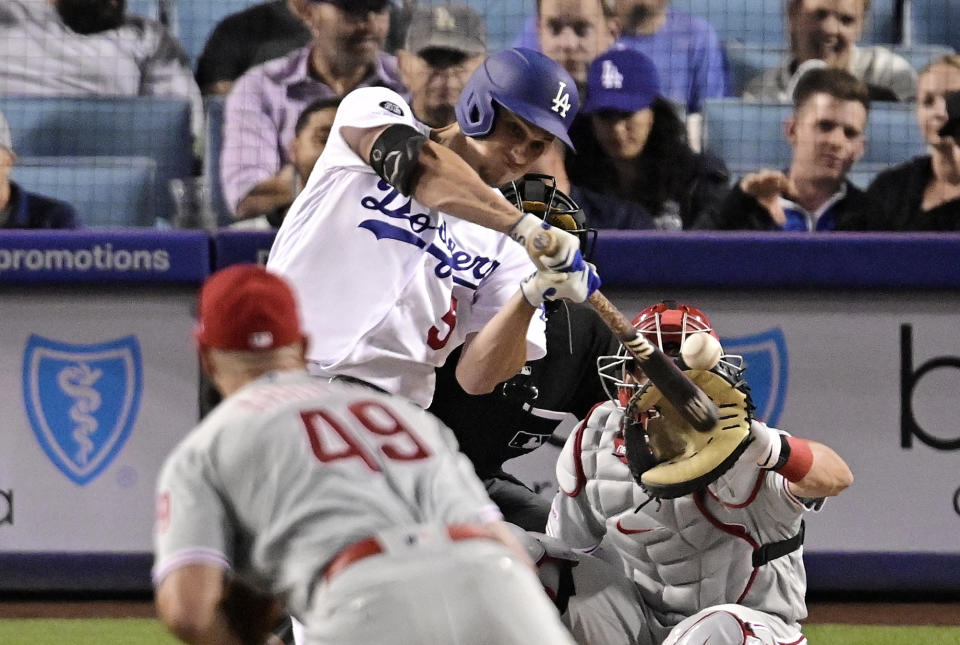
{"x": 105, "y": 191}
{"x": 932, "y": 22}
{"x": 748, "y": 21}
{"x": 920, "y": 55}
{"x": 148, "y": 8}
{"x": 893, "y": 134}
{"x": 747, "y": 134}
{"x": 884, "y": 24}
{"x": 764, "y": 21}
{"x": 748, "y": 60}
{"x": 213, "y": 143}
{"x": 153, "y": 127}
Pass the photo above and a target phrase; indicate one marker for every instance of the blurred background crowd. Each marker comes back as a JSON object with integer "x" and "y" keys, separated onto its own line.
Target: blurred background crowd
{"x": 697, "y": 114}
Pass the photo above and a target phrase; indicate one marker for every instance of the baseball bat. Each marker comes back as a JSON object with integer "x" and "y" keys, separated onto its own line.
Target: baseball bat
{"x": 690, "y": 401}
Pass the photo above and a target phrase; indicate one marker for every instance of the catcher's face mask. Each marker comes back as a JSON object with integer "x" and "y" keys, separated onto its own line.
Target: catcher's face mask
{"x": 538, "y": 194}
{"x": 667, "y": 325}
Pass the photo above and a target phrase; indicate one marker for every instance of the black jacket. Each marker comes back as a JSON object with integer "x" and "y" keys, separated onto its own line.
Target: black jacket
{"x": 29, "y": 210}
{"x": 741, "y": 211}
{"x": 677, "y": 180}
{"x": 896, "y": 196}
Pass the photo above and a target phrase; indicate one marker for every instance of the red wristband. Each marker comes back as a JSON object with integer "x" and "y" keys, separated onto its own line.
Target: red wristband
{"x": 800, "y": 460}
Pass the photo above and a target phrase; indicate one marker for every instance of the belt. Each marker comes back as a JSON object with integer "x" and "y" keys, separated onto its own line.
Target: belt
{"x": 371, "y": 546}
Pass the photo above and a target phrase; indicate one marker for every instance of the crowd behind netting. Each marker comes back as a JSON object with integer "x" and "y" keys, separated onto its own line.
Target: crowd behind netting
{"x": 794, "y": 115}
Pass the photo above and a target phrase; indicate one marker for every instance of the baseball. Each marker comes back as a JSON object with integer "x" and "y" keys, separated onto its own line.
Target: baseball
{"x": 701, "y": 351}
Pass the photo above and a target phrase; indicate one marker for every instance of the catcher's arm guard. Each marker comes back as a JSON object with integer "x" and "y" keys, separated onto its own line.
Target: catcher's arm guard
{"x": 688, "y": 459}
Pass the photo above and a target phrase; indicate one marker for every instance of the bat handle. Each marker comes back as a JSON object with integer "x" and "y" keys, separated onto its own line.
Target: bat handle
{"x": 543, "y": 243}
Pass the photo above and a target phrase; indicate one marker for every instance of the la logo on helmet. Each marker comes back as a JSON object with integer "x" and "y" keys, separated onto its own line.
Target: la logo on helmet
{"x": 561, "y": 102}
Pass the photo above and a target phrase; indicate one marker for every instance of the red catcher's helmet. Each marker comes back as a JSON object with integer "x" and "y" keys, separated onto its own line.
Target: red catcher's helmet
{"x": 665, "y": 324}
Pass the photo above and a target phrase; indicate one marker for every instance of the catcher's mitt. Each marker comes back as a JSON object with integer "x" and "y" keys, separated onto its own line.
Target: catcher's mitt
{"x": 668, "y": 457}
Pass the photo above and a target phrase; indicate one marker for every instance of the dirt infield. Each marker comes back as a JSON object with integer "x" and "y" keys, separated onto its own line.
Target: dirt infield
{"x": 856, "y": 613}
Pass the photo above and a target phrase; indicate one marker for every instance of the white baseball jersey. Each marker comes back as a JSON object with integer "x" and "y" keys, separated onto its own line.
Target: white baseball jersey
{"x": 388, "y": 287}
{"x": 689, "y": 553}
{"x": 291, "y": 469}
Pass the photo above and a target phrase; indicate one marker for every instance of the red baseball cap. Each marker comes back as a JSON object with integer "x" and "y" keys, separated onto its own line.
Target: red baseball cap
{"x": 244, "y": 307}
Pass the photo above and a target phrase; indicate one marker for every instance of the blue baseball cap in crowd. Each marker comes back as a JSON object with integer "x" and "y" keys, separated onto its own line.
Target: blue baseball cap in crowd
{"x": 623, "y": 80}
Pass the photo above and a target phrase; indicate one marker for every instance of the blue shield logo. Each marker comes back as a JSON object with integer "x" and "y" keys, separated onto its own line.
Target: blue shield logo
{"x": 765, "y": 355}
{"x": 82, "y": 401}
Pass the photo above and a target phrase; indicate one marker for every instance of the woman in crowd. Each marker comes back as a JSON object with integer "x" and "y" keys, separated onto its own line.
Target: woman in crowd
{"x": 923, "y": 194}
{"x": 636, "y": 148}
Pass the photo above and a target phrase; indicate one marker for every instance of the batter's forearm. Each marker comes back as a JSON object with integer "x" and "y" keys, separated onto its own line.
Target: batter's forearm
{"x": 447, "y": 183}
{"x": 498, "y": 351}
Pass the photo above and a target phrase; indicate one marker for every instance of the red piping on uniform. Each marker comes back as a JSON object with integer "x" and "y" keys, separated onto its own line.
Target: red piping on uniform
{"x": 750, "y": 498}
{"x": 626, "y": 531}
{"x": 786, "y": 487}
{"x": 577, "y": 451}
{"x": 732, "y": 529}
{"x": 745, "y": 631}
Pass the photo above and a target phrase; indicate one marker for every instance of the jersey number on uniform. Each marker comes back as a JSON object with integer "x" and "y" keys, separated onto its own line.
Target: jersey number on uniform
{"x": 450, "y": 320}
{"x": 331, "y": 439}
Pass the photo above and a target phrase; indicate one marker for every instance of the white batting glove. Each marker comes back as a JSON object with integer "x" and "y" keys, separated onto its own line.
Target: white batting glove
{"x": 567, "y": 257}
{"x": 575, "y": 286}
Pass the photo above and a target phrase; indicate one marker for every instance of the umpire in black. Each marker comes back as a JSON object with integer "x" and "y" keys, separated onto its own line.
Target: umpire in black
{"x": 521, "y": 414}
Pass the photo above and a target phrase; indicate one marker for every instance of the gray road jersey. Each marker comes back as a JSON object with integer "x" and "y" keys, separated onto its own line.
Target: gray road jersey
{"x": 675, "y": 550}
{"x": 291, "y": 469}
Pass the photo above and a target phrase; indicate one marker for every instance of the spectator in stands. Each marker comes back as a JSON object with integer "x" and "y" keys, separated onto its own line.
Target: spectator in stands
{"x": 684, "y": 48}
{"x": 90, "y": 48}
{"x": 610, "y": 211}
{"x": 263, "y": 32}
{"x": 262, "y": 108}
{"x": 574, "y": 32}
{"x": 640, "y": 151}
{"x": 827, "y": 30}
{"x": 241, "y": 40}
{"x": 20, "y": 209}
{"x": 826, "y": 133}
{"x": 444, "y": 44}
{"x": 923, "y": 194}
{"x": 311, "y": 134}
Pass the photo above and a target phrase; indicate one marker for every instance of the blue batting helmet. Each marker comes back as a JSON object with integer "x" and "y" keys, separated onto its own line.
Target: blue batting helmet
{"x": 525, "y": 82}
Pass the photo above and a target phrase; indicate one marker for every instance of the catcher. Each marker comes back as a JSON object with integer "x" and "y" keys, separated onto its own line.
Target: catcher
{"x": 709, "y": 525}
